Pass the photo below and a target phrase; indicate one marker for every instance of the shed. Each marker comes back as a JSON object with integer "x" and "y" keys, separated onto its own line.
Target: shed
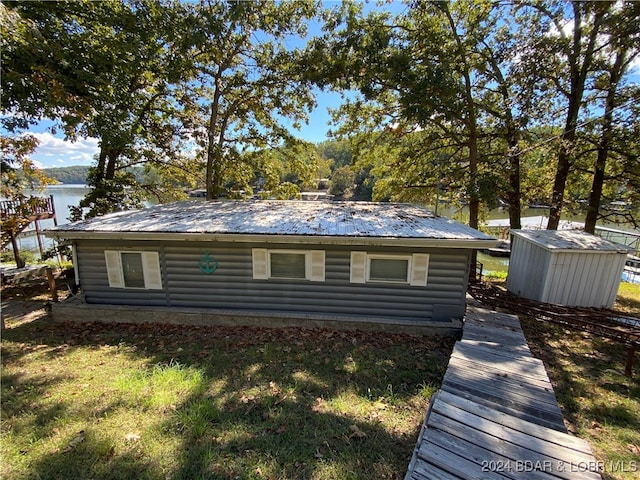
{"x": 565, "y": 267}
{"x": 266, "y": 260}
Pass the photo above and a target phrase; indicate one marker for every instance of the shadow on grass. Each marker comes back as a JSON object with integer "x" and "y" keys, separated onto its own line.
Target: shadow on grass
{"x": 261, "y": 403}
{"x": 579, "y": 364}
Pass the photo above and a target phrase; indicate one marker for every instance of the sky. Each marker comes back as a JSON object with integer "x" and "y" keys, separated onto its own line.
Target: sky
{"x": 54, "y": 151}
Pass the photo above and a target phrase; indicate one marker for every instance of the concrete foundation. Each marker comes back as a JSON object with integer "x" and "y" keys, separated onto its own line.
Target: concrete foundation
{"x": 78, "y": 311}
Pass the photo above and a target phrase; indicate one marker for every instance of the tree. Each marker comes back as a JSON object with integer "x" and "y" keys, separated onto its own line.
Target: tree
{"x": 620, "y": 51}
{"x": 441, "y": 82}
{"x": 342, "y": 182}
{"x": 336, "y": 151}
{"x": 99, "y": 69}
{"x": 244, "y": 79}
{"x": 285, "y": 171}
{"x": 570, "y": 46}
{"x": 16, "y": 168}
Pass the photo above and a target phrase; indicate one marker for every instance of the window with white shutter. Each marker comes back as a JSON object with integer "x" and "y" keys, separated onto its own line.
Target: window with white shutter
{"x": 358, "y": 267}
{"x": 128, "y": 269}
{"x": 288, "y": 264}
{"x": 389, "y": 268}
{"x": 419, "y": 269}
{"x": 260, "y": 263}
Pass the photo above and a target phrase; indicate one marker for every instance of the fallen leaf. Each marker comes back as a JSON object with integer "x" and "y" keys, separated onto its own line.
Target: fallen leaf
{"x": 356, "y": 432}
{"x": 635, "y": 449}
{"x": 75, "y": 441}
{"x": 319, "y": 406}
{"x": 132, "y": 437}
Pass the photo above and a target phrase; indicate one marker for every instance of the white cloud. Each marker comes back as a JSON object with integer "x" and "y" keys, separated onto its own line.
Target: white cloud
{"x": 54, "y": 152}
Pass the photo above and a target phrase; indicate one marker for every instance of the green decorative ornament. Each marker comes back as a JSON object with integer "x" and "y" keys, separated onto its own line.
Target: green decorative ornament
{"x": 207, "y": 263}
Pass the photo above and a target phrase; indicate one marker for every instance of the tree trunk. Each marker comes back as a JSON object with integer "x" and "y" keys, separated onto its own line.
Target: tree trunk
{"x": 113, "y": 156}
{"x": 102, "y": 162}
{"x": 579, "y": 72}
{"x": 514, "y": 196}
{"x": 560, "y": 181}
{"x": 596, "y": 191}
{"x": 603, "y": 146}
{"x": 16, "y": 249}
{"x": 213, "y": 149}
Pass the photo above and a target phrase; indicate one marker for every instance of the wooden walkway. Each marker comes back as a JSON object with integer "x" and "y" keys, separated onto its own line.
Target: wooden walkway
{"x": 496, "y": 415}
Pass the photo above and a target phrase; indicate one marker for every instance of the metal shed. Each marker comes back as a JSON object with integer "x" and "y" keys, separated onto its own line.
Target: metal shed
{"x": 566, "y": 267}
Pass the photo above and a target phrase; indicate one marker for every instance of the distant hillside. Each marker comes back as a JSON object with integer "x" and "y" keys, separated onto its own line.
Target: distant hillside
{"x": 76, "y": 174}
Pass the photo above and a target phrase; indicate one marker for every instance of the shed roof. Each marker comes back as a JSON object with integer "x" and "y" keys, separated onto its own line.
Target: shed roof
{"x": 571, "y": 240}
{"x": 287, "y": 220}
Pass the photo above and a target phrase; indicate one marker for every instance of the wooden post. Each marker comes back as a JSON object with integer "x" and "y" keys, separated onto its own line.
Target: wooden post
{"x": 52, "y": 285}
{"x": 39, "y": 237}
{"x": 53, "y": 210}
{"x": 628, "y": 366}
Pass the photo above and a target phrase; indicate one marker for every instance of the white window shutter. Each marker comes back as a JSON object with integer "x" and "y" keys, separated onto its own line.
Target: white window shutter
{"x": 419, "y": 269}
{"x": 315, "y": 266}
{"x": 358, "y": 267}
{"x": 151, "y": 270}
{"x": 260, "y": 263}
{"x": 114, "y": 268}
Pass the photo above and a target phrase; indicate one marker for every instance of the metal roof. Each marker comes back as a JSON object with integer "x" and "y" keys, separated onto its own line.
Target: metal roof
{"x": 570, "y": 240}
{"x": 285, "y": 219}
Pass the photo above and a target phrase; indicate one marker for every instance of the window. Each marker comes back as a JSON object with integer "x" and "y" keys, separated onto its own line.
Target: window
{"x": 133, "y": 269}
{"x": 386, "y": 269}
{"x": 408, "y": 269}
{"x": 288, "y": 264}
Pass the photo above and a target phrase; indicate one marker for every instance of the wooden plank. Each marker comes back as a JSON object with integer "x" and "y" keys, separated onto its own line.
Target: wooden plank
{"x": 497, "y": 437}
{"x": 473, "y": 325}
{"x": 516, "y": 351}
{"x": 481, "y": 461}
{"x": 505, "y": 372}
{"x": 503, "y": 392}
{"x": 482, "y": 314}
{"x": 497, "y": 325}
{"x": 428, "y": 471}
{"x": 526, "y": 408}
{"x": 518, "y": 447}
{"x": 529, "y": 428}
{"x": 487, "y": 350}
{"x": 532, "y": 365}
{"x": 454, "y": 464}
{"x": 494, "y": 336}
{"x": 545, "y": 419}
{"x": 526, "y": 372}
{"x": 509, "y": 388}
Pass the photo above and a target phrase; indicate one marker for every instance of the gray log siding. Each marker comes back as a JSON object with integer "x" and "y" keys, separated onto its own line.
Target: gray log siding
{"x": 232, "y": 286}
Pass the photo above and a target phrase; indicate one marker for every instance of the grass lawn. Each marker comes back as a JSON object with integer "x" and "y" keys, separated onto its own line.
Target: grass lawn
{"x": 98, "y": 401}
{"x": 599, "y": 403}
{"x": 106, "y": 401}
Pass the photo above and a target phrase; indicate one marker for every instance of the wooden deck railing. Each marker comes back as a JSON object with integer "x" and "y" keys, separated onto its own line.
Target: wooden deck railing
{"x": 27, "y": 208}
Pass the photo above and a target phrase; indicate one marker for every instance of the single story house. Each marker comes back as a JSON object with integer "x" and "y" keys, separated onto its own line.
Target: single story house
{"x": 273, "y": 263}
